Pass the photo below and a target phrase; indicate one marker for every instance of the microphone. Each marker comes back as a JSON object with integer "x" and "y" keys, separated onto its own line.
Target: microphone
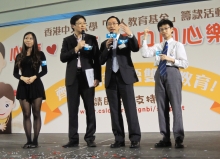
{"x": 83, "y": 34}
{"x": 111, "y": 45}
{"x": 83, "y": 38}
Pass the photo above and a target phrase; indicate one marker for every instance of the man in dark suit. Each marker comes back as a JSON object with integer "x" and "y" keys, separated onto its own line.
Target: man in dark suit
{"x": 119, "y": 78}
{"x": 81, "y": 53}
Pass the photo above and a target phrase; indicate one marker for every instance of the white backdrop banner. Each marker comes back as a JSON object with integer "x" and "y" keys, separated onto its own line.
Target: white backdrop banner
{"x": 197, "y": 26}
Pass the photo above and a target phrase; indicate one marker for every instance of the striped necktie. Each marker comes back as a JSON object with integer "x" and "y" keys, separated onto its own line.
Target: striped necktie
{"x": 162, "y": 65}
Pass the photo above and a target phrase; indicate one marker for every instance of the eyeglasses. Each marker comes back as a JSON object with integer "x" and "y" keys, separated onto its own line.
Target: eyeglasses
{"x": 163, "y": 29}
{"x": 110, "y": 24}
{"x": 81, "y": 23}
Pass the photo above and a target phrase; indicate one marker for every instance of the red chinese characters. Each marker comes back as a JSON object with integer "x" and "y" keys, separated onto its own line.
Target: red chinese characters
{"x": 213, "y": 32}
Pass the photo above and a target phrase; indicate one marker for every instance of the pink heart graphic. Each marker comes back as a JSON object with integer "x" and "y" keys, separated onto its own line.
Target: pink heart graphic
{"x": 51, "y": 50}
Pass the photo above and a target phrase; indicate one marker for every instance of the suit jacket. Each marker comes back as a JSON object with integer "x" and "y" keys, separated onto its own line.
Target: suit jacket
{"x": 88, "y": 58}
{"x": 126, "y": 66}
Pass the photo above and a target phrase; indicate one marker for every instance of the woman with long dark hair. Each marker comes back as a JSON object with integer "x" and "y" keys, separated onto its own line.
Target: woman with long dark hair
{"x": 30, "y": 91}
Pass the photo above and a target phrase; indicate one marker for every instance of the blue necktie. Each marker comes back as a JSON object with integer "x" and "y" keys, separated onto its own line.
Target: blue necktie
{"x": 162, "y": 65}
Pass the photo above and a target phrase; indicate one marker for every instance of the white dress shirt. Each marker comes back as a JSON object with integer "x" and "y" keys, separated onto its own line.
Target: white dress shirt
{"x": 115, "y": 65}
{"x": 115, "y": 41}
{"x": 175, "y": 50}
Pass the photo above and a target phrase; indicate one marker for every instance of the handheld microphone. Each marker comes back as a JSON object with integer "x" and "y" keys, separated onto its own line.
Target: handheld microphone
{"x": 83, "y": 34}
{"x": 111, "y": 45}
{"x": 83, "y": 37}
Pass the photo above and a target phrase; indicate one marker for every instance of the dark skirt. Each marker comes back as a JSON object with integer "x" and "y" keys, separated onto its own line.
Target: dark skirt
{"x": 30, "y": 91}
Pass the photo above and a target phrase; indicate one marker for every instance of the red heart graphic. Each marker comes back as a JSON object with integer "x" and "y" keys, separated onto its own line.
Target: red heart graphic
{"x": 51, "y": 50}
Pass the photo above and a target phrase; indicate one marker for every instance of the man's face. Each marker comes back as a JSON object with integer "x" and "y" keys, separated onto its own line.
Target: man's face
{"x": 6, "y": 106}
{"x": 79, "y": 26}
{"x": 166, "y": 31}
{"x": 2, "y": 62}
{"x": 113, "y": 26}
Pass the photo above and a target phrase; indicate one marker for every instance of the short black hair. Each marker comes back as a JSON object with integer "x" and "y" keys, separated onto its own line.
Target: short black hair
{"x": 75, "y": 18}
{"x": 2, "y": 50}
{"x": 113, "y": 17}
{"x": 164, "y": 22}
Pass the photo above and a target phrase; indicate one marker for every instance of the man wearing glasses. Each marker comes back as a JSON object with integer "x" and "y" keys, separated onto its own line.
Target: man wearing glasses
{"x": 119, "y": 78}
{"x": 170, "y": 56}
{"x": 81, "y": 52}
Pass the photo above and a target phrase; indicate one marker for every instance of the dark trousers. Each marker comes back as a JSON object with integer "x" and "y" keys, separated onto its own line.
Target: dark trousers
{"x": 168, "y": 91}
{"x": 118, "y": 89}
{"x": 80, "y": 88}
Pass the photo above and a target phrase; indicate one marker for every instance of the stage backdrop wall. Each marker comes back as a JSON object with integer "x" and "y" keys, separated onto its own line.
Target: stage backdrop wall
{"x": 197, "y": 26}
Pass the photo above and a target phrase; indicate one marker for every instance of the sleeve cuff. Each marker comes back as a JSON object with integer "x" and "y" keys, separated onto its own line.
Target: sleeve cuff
{"x": 73, "y": 52}
{"x": 130, "y": 36}
{"x": 144, "y": 42}
{"x": 176, "y": 62}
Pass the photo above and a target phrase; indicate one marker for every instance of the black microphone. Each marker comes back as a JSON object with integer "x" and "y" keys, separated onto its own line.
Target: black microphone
{"x": 83, "y": 37}
{"x": 83, "y": 34}
{"x": 111, "y": 45}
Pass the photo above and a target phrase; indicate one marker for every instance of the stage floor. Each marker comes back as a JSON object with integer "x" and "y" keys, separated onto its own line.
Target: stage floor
{"x": 198, "y": 145}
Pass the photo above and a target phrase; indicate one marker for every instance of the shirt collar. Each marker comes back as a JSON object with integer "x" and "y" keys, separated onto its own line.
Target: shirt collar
{"x": 78, "y": 39}
{"x": 168, "y": 41}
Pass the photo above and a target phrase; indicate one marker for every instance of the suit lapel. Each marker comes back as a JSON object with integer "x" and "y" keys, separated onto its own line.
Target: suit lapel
{"x": 86, "y": 37}
{"x": 120, "y": 37}
{"x": 73, "y": 41}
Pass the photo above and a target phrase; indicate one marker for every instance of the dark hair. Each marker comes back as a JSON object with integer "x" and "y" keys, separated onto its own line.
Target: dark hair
{"x": 75, "y": 18}
{"x": 2, "y": 50}
{"x": 113, "y": 17}
{"x": 35, "y": 53}
{"x": 7, "y": 91}
{"x": 164, "y": 22}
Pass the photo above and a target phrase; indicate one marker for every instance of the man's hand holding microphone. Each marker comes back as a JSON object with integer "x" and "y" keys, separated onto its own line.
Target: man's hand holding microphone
{"x": 81, "y": 43}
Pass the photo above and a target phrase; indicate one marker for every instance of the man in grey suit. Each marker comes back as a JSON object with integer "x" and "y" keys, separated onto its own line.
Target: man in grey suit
{"x": 119, "y": 78}
{"x": 170, "y": 56}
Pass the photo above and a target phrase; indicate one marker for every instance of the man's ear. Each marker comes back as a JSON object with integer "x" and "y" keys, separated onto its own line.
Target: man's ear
{"x": 72, "y": 26}
{"x": 172, "y": 29}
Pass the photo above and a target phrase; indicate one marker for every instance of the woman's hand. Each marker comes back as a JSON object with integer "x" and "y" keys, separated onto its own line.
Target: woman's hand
{"x": 25, "y": 79}
{"x": 32, "y": 78}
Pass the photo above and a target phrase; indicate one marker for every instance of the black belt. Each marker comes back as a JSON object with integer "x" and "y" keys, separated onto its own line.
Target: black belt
{"x": 173, "y": 66}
